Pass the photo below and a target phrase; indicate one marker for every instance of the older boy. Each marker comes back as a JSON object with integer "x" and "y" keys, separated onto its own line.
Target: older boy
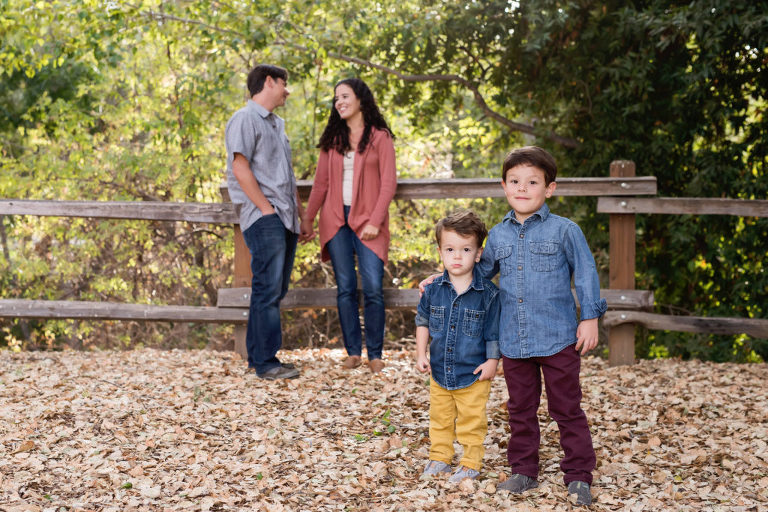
{"x": 537, "y": 254}
{"x": 460, "y": 311}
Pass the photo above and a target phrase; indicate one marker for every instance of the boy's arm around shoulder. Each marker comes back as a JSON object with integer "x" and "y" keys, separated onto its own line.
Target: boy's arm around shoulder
{"x": 488, "y": 265}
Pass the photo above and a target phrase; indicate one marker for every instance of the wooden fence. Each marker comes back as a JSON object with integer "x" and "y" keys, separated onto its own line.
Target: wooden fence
{"x": 617, "y": 197}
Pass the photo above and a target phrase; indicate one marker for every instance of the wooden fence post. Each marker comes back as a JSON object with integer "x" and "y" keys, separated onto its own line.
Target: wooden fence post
{"x": 242, "y": 278}
{"x": 621, "y": 338}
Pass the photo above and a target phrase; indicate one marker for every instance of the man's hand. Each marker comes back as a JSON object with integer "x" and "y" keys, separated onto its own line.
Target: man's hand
{"x": 487, "y": 370}
{"x": 307, "y": 231}
{"x": 586, "y": 335}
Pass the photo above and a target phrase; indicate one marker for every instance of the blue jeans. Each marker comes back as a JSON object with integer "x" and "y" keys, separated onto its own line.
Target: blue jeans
{"x": 272, "y": 250}
{"x": 343, "y": 247}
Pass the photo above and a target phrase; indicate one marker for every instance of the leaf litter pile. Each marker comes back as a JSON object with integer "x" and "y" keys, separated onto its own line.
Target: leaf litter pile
{"x": 192, "y": 430}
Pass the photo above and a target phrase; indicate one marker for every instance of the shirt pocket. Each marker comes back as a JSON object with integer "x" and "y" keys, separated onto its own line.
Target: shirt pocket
{"x": 544, "y": 255}
{"x": 436, "y": 318}
{"x": 473, "y": 322}
{"x": 505, "y": 255}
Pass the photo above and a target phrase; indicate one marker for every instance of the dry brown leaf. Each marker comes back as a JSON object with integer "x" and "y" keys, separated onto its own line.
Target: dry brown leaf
{"x": 24, "y": 447}
{"x": 192, "y": 431}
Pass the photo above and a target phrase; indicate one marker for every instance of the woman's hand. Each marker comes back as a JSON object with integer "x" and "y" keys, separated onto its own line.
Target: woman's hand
{"x": 307, "y": 231}
{"x": 369, "y": 232}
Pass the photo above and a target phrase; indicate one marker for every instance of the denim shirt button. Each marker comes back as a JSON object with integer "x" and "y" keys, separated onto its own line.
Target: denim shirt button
{"x": 519, "y": 267}
{"x": 522, "y": 235}
{"x": 520, "y": 300}
{"x": 453, "y": 327}
{"x": 450, "y": 349}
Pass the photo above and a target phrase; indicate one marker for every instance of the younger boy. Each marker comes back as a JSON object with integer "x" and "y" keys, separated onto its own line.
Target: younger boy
{"x": 537, "y": 254}
{"x": 460, "y": 311}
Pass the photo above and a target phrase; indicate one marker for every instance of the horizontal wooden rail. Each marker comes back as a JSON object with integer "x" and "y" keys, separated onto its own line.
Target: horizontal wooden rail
{"x": 754, "y": 327}
{"x": 684, "y": 205}
{"x": 23, "y": 308}
{"x": 213, "y": 213}
{"x": 456, "y": 188}
{"x": 225, "y": 213}
{"x": 403, "y": 298}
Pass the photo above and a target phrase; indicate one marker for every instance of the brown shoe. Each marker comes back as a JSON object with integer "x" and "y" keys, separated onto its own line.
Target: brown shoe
{"x": 351, "y": 362}
{"x": 376, "y": 365}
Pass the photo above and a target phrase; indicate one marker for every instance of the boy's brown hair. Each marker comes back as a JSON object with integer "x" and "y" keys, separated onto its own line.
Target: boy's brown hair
{"x": 465, "y": 223}
{"x": 533, "y": 156}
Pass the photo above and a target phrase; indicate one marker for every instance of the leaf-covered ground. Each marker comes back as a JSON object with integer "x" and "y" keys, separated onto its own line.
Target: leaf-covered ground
{"x": 191, "y": 430}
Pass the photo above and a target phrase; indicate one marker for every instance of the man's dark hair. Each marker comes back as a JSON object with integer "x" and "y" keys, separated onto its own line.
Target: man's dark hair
{"x": 533, "y": 156}
{"x": 336, "y": 133}
{"x": 465, "y": 223}
{"x": 259, "y": 74}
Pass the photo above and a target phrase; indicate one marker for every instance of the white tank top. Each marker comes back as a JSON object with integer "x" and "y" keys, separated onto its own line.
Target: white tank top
{"x": 349, "y": 166}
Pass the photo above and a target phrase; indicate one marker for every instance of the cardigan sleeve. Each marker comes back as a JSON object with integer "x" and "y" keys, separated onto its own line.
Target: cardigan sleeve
{"x": 388, "y": 175}
{"x": 319, "y": 187}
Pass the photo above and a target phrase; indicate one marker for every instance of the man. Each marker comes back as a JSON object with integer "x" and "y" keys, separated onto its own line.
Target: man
{"x": 261, "y": 182}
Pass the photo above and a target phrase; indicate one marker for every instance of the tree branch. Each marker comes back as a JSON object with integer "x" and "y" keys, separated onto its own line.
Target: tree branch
{"x": 473, "y": 87}
{"x": 479, "y": 99}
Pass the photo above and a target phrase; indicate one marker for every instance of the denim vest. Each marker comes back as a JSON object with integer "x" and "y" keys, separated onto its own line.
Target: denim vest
{"x": 464, "y": 329}
{"x": 537, "y": 260}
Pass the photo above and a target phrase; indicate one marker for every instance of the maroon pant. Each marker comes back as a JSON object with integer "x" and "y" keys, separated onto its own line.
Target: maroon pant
{"x": 561, "y": 377}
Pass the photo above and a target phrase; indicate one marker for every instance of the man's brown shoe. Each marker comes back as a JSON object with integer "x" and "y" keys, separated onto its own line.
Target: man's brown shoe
{"x": 376, "y": 365}
{"x": 351, "y": 362}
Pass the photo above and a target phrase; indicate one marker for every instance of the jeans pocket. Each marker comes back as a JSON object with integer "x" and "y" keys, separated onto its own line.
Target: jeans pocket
{"x": 544, "y": 255}
{"x": 473, "y": 322}
{"x": 436, "y": 318}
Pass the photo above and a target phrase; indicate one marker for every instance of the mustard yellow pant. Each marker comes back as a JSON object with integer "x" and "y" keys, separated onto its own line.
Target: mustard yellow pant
{"x": 458, "y": 415}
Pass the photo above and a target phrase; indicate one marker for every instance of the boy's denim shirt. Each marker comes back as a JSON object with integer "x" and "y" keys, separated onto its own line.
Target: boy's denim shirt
{"x": 464, "y": 328}
{"x": 536, "y": 260}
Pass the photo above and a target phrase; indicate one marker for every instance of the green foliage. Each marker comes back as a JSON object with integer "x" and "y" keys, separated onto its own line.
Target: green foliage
{"x": 116, "y": 101}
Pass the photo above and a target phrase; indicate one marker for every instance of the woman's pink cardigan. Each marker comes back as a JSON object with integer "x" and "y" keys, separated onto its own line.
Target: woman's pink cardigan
{"x": 373, "y": 187}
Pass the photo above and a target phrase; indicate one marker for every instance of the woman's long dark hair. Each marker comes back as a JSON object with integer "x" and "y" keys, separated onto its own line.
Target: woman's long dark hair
{"x": 336, "y": 133}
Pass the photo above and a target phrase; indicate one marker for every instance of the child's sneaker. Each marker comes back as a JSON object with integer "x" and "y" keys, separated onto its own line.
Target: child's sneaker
{"x": 517, "y": 484}
{"x": 462, "y": 473}
{"x": 582, "y": 492}
{"x": 435, "y": 467}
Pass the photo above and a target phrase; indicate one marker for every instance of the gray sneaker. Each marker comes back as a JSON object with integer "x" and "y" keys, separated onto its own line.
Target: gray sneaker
{"x": 517, "y": 484}
{"x": 435, "y": 467}
{"x": 279, "y": 372}
{"x": 582, "y": 492}
{"x": 462, "y": 473}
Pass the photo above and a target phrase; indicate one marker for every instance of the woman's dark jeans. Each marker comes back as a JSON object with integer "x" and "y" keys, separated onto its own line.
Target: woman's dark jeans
{"x": 343, "y": 248}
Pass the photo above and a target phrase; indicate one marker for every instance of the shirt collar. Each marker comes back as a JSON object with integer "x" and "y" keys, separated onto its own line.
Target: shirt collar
{"x": 542, "y": 212}
{"x": 258, "y": 108}
{"x": 477, "y": 279}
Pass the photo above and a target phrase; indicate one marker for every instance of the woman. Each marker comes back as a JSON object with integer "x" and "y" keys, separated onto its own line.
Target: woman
{"x": 354, "y": 183}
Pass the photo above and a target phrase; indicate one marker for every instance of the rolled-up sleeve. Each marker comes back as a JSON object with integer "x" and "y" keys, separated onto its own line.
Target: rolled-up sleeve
{"x": 422, "y": 311}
